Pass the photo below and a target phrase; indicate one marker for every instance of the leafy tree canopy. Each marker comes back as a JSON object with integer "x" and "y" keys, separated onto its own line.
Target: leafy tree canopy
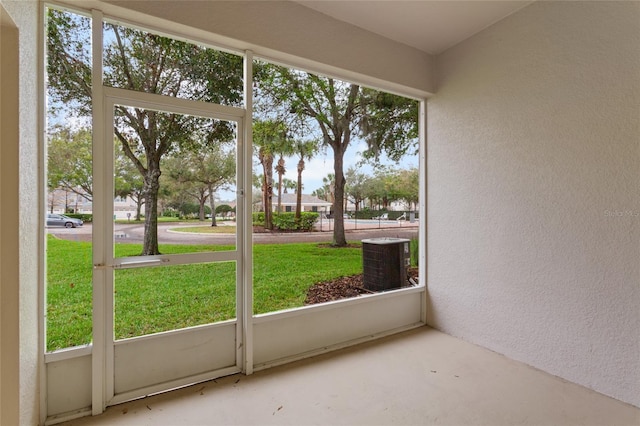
{"x": 69, "y": 161}
{"x": 145, "y": 62}
{"x": 340, "y": 112}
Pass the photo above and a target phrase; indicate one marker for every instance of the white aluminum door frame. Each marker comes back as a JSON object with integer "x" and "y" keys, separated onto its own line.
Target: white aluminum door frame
{"x": 103, "y": 101}
{"x": 104, "y": 259}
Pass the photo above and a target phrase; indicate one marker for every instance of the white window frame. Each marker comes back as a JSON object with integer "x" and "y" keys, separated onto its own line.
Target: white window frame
{"x": 251, "y": 342}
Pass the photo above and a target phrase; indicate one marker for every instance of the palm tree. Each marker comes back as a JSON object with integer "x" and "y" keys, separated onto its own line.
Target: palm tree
{"x": 329, "y": 185}
{"x": 268, "y": 136}
{"x": 304, "y": 149}
{"x": 284, "y": 148}
{"x": 288, "y": 184}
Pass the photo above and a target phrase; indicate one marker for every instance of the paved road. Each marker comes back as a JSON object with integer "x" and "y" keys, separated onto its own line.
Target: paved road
{"x": 354, "y": 232}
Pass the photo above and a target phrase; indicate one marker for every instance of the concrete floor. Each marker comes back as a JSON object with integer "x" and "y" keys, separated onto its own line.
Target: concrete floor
{"x": 421, "y": 377}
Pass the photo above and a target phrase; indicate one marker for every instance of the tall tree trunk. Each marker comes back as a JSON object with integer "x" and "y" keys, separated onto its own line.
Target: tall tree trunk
{"x": 139, "y": 202}
{"x": 267, "y": 191}
{"x": 299, "y": 191}
{"x": 151, "y": 188}
{"x": 212, "y": 204}
{"x": 202, "y": 201}
{"x": 281, "y": 170}
{"x": 339, "y": 238}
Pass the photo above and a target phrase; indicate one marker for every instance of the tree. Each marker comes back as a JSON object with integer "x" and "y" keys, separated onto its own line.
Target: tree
{"x": 282, "y": 149}
{"x": 327, "y": 191}
{"x": 304, "y": 150}
{"x": 377, "y": 188}
{"x": 127, "y": 180}
{"x": 340, "y": 111}
{"x": 389, "y": 125}
{"x": 405, "y": 187}
{"x": 355, "y": 187}
{"x": 320, "y": 193}
{"x": 280, "y": 170}
{"x": 288, "y": 184}
{"x": 145, "y": 62}
{"x": 69, "y": 161}
{"x": 268, "y": 136}
{"x": 181, "y": 182}
{"x": 224, "y": 209}
{"x": 204, "y": 173}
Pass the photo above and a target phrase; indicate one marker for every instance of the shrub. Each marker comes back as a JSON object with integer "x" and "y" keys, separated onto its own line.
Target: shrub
{"x": 258, "y": 218}
{"x": 170, "y": 212}
{"x": 307, "y": 220}
{"x": 287, "y": 221}
{"x": 86, "y": 218}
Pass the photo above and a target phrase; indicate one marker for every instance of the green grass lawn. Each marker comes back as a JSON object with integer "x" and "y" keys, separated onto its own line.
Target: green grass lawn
{"x": 150, "y": 300}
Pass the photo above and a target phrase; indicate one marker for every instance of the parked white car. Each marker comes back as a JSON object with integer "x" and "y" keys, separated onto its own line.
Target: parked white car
{"x": 383, "y": 216}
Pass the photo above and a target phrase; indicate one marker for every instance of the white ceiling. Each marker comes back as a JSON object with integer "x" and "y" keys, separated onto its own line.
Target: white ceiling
{"x": 428, "y": 25}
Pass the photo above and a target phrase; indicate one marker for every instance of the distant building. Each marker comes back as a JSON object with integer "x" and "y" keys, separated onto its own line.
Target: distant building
{"x": 62, "y": 201}
{"x": 309, "y": 203}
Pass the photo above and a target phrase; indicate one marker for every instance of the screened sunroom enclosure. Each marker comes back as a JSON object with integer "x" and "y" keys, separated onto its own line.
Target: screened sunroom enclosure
{"x": 126, "y": 354}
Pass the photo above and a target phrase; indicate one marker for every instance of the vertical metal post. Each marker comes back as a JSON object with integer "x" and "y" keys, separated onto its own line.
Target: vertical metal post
{"x": 422, "y": 234}
{"x": 42, "y": 207}
{"x": 247, "y": 244}
{"x": 98, "y": 369}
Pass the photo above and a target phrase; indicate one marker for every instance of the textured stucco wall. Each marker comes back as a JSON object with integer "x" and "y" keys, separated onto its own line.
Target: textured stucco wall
{"x": 25, "y": 207}
{"x": 534, "y": 192}
{"x": 9, "y": 295}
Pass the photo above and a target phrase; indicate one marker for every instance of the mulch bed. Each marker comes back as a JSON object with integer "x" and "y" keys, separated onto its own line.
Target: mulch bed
{"x": 343, "y": 288}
